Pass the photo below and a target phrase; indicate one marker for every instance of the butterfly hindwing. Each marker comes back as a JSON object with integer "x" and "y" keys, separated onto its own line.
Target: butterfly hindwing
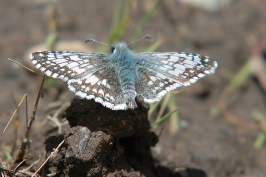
{"x": 100, "y": 87}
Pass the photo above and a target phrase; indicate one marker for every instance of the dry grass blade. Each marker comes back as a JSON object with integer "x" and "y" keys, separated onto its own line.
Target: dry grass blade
{"x": 24, "y": 67}
{"x": 26, "y": 141}
{"x": 50, "y": 156}
{"x": 19, "y": 164}
{"x": 14, "y": 113}
{"x": 54, "y": 117}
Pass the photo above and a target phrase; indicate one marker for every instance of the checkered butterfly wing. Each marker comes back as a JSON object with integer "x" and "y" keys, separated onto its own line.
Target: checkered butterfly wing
{"x": 159, "y": 73}
{"x": 85, "y": 73}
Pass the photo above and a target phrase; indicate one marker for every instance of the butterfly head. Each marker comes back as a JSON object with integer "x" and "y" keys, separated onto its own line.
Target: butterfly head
{"x": 120, "y": 47}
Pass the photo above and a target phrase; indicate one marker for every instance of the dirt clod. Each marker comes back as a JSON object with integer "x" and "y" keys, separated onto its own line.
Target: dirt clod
{"x": 103, "y": 142}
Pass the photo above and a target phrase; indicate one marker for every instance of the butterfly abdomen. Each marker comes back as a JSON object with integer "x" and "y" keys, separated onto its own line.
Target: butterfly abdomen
{"x": 127, "y": 78}
{"x": 126, "y": 74}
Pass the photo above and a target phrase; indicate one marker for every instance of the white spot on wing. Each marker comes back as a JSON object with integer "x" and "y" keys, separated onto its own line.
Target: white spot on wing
{"x": 150, "y": 83}
{"x": 173, "y": 58}
{"x": 99, "y": 100}
{"x": 93, "y": 80}
{"x": 153, "y": 79}
{"x": 31, "y": 56}
{"x": 73, "y": 64}
{"x": 55, "y": 75}
{"x": 48, "y": 73}
{"x": 81, "y": 94}
{"x": 34, "y": 61}
{"x": 94, "y": 90}
{"x": 38, "y": 66}
{"x": 101, "y": 92}
{"x": 90, "y": 97}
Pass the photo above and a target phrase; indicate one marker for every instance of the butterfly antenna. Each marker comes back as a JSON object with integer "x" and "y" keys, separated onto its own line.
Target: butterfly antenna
{"x": 93, "y": 40}
{"x": 144, "y": 37}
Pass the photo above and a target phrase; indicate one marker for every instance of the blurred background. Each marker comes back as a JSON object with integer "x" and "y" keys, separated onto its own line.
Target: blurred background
{"x": 220, "y": 124}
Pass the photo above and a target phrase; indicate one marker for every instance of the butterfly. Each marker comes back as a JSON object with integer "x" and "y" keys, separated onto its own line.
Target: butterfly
{"x": 116, "y": 79}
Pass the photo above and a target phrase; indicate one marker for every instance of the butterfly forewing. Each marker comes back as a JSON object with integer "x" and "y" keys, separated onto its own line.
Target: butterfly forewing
{"x": 161, "y": 72}
{"x": 85, "y": 73}
{"x": 68, "y": 65}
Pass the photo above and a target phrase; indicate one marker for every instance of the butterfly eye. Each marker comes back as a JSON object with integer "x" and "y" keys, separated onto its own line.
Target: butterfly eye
{"x": 112, "y": 49}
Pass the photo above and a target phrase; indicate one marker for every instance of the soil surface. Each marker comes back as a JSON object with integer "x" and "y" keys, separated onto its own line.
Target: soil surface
{"x": 219, "y": 120}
